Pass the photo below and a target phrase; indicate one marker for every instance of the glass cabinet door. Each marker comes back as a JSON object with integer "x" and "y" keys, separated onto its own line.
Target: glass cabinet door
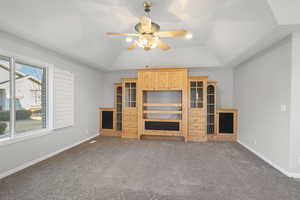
{"x": 119, "y": 107}
{"x": 196, "y": 94}
{"x": 130, "y": 94}
{"x": 211, "y": 109}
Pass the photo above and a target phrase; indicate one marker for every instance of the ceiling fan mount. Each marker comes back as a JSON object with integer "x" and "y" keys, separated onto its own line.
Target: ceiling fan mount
{"x": 147, "y": 6}
{"x": 149, "y": 33}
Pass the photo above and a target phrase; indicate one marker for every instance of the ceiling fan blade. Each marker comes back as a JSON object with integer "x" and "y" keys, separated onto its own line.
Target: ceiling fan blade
{"x": 162, "y": 45}
{"x": 173, "y": 33}
{"x": 146, "y": 24}
{"x": 126, "y": 34}
{"x": 132, "y": 46}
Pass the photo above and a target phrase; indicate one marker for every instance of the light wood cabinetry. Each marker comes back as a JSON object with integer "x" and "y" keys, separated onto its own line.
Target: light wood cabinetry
{"x": 162, "y": 102}
{"x": 167, "y": 102}
{"x": 162, "y": 78}
{"x": 197, "y": 108}
{"x": 107, "y": 126}
{"x": 227, "y": 120}
{"x": 129, "y": 114}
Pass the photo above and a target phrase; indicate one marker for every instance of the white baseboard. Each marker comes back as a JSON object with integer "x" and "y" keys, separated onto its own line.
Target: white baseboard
{"x": 285, "y": 172}
{"x": 28, "y": 164}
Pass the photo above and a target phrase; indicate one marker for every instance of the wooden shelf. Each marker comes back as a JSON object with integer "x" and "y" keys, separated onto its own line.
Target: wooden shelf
{"x": 162, "y": 111}
{"x": 162, "y": 105}
{"x": 162, "y": 120}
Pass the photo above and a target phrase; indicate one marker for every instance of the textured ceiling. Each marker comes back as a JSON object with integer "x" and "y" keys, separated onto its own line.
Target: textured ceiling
{"x": 222, "y": 30}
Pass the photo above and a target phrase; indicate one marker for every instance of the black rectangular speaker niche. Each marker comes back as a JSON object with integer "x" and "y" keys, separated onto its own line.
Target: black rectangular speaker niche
{"x": 226, "y": 123}
{"x": 107, "y": 119}
{"x": 162, "y": 126}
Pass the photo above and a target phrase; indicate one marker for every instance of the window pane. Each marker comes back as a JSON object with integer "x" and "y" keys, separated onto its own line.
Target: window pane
{"x": 4, "y": 97}
{"x": 30, "y": 98}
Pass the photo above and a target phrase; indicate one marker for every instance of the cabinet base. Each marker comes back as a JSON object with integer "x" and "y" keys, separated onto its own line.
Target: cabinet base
{"x": 129, "y": 136}
{"x": 196, "y": 139}
{"x": 110, "y": 133}
{"x": 222, "y": 138}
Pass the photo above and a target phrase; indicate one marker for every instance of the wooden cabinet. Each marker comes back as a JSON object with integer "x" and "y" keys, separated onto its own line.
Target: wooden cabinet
{"x": 149, "y": 80}
{"x": 226, "y": 126}
{"x": 197, "y": 109}
{"x": 167, "y": 102}
{"x": 176, "y": 80}
{"x": 163, "y": 79}
{"x": 129, "y": 114}
{"x": 107, "y": 122}
{"x": 167, "y": 115}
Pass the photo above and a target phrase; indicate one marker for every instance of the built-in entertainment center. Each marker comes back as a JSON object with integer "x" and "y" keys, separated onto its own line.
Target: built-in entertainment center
{"x": 168, "y": 102}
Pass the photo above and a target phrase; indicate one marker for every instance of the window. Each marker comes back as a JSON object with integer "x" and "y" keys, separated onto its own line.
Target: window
{"x": 23, "y": 97}
{"x": 30, "y": 95}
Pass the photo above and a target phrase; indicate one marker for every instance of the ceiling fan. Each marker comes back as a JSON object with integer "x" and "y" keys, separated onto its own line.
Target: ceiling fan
{"x": 149, "y": 34}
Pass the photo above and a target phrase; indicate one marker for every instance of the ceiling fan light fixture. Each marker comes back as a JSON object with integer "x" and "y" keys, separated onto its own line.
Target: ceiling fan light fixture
{"x": 149, "y": 34}
{"x": 189, "y": 36}
{"x": 129, "y": 39}
{"x": 154, "y": 45}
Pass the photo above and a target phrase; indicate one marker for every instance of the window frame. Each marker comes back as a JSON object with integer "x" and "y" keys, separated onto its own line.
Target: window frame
{"x": 12, "y": 137}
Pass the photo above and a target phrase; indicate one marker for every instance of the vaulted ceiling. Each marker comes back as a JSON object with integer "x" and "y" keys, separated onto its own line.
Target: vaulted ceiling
{"x": 225, "y": 32}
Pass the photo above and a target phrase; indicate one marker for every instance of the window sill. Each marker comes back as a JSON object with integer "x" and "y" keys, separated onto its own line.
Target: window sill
{"x": 24, "y": 136}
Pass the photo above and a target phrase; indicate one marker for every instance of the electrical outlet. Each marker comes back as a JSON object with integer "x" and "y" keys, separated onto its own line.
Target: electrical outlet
{"x": 87, "y": 131}
{"x": 254, "y": 142}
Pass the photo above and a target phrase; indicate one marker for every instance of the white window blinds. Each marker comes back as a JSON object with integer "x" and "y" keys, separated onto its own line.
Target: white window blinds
{"x": 63, "y": 101}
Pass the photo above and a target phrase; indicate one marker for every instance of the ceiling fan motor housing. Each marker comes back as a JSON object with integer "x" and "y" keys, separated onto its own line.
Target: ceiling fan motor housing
{"x": 154, "y": 28}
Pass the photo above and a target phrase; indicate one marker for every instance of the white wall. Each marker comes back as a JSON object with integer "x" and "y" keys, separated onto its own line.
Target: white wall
{"x": 223, "y": 76}
{"x": 88, "y": 97}
{"x": 261, "y": 86}
{"x": 295, "y": 106}
{"x": 109, "y": 78}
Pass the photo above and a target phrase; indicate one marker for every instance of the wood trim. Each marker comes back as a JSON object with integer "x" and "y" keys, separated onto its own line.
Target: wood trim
{"x": 118, "y": 84}
{"x": 163, "y": 133}
{"x": 163, "y": 69}
{"x": 161, "y": 105}
{"x": 162, "y": 111}
{"x": 162, "y": 120}
{"x": 191, "y": 78}
{"x": 128, "y": 80}
{"x": 107, "y": 109}
{"x": 212, "y": 83}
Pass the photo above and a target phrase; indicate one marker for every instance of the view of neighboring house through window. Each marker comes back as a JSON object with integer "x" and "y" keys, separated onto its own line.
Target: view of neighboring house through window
{"x": 30, "y": 103}
{"x": 30, "y": 98}
{"x": 4, "y": 97}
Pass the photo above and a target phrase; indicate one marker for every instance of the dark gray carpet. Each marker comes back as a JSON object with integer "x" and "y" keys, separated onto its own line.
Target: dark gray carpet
{"x": 116, "y": 169}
